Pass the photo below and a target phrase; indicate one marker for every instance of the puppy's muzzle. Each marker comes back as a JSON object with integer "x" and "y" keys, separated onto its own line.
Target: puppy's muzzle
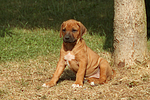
{"x": 68, "y": 38}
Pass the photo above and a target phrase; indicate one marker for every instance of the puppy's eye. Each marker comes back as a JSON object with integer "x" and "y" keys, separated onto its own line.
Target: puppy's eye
{"x": 64, "y": 30}
{"x": 74, "y": 30}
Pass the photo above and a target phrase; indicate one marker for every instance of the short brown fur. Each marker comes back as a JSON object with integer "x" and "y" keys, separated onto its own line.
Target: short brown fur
{"x": 85, "y": 62}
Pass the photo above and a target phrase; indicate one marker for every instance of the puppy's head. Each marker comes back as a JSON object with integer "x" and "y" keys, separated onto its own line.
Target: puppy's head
{"x": 72, "y": 30}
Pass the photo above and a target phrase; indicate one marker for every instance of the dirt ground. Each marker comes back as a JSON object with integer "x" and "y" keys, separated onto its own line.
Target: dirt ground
{"x": 23, "y": 80}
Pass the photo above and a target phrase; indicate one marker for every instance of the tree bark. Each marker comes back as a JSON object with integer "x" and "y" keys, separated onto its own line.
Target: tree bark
{"x": 130, "y": 32}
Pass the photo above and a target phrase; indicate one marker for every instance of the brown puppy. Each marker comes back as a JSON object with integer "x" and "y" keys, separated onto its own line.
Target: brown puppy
{"x": 79, "y": 58}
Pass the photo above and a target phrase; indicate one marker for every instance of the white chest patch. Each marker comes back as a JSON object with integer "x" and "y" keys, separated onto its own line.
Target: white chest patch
{"x": 69, "y": 57}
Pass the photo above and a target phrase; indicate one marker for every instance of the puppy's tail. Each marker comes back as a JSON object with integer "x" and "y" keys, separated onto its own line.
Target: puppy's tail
{"x": 114, "y": 73}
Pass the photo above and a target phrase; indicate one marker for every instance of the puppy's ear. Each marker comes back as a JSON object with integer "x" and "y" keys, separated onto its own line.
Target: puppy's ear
{"x": 82, "y": 28}
{"x": 61, "y": 28}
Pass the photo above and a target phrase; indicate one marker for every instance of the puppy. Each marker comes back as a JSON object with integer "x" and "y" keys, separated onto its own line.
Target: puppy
{"x": 78, "y": 57}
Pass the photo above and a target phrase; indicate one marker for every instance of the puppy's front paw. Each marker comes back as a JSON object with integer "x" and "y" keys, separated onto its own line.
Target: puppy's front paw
{"x": 76, "y": 86}
{"x": 44, "y": 85}
{"x": 92, "y": 83}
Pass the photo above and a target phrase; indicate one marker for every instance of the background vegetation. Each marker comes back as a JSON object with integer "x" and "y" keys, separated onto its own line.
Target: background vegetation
{"x": 17, "y": 16}
{"x": 96, "y": 15}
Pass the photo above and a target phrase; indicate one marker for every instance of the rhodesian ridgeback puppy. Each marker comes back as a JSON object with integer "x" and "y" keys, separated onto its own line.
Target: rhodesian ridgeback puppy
{"x": 78, "y": 57}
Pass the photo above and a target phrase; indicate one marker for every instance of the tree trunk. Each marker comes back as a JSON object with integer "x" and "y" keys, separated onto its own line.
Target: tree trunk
{"x": 130, "y": 32}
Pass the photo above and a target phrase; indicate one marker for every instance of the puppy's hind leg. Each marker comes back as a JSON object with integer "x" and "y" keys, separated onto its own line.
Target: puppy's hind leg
{"x": 104, "y": 65}
{"x": 95, "y": 81}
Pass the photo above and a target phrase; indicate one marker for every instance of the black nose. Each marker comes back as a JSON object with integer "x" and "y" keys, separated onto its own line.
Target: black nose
{"x": 67, "y": 37}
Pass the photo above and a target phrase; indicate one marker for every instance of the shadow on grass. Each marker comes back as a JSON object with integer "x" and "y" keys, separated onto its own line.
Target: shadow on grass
{"x": 67, "y": 75}
{"x": 96, "y": 15}
{"x": 5, "y": 31}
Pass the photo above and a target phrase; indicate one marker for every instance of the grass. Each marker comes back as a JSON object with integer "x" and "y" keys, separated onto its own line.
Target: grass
{"x": 25, "y": 44}
{"x": 30, "y": 45}
{"x": 29, "y": 58}
{"x": 24, "y": 79}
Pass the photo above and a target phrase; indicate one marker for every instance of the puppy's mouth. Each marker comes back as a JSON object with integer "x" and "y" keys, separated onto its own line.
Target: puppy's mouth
{"x": 69, "y": 39}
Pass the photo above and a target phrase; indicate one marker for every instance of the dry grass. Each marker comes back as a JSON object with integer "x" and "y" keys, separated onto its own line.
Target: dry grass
{"x": 23, "y": 80}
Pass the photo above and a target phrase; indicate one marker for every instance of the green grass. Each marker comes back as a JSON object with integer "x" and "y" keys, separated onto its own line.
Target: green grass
{"x": 29, "y": 28}
{"x": 26, "y": 44}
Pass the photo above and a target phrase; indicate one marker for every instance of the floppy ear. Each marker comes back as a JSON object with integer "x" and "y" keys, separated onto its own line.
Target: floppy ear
{"x": 61, "y": 30}
{"x": 82, "y": 29}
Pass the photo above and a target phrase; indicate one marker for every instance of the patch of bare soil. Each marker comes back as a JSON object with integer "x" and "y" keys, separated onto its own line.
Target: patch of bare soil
{"x": 23, "y": 80}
